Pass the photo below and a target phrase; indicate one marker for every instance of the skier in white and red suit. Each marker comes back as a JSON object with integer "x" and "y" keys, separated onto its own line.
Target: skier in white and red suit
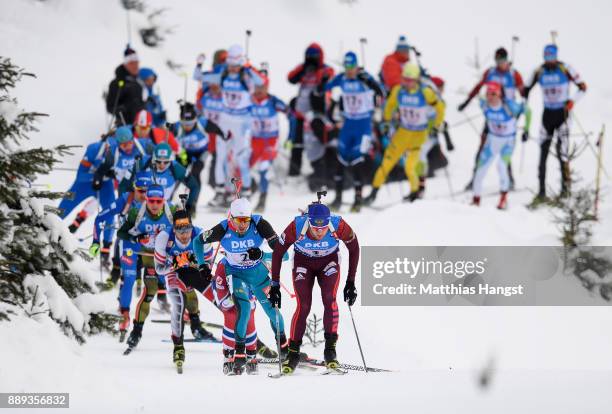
{"x": 316, "y": 238}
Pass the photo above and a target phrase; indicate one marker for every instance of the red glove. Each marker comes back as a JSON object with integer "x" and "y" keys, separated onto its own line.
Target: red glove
{"x": 569, "y": 105}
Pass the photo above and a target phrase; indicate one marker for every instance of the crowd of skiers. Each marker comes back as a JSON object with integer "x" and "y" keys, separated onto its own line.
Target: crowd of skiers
{"x": 136, "y": 168}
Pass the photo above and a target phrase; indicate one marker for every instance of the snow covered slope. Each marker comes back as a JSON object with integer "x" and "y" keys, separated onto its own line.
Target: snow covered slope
{"x": 546, "y": 359}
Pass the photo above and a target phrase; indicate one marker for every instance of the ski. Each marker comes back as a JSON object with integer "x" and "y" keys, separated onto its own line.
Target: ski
{"x": 321, "y": 363}
{"x": 128, "y": 350}
{"x": 179, "y": 367}
{"x": 204, "y": 324}
{"x": 334, "y": 371}
{"x": 215, "y": 341}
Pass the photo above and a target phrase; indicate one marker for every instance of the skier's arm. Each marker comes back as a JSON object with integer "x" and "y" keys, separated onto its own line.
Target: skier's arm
{"x": 518, "y": 81}
{"x": 532, "y": 81}
{"x": 180, "y": 173}
{"x": 391, "y": 104}
{"x": 336, "y": 81}
{"x": 432, "y": 99}
{"x": 582, "y": 87}
{"x": 475, "y": 89}
{"x": 371, "y": 83}
{"x": 124, "y": 232}
{"x": 162, "y": 266}
{"x": 213, "y": 128}
{"x": 213, "y": 235}
{"x": 107, "y": 217}
{"x": 295, "y": 76}
{"x": 348, "y": 236}
{"x": 203, "y": 250}
{"x": 265, "y": 229}
{"x": 287, "y": 238}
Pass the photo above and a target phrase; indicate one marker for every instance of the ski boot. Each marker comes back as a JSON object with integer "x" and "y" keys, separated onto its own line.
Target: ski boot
{"x": 475, "y": 201}
{"x": 421, "y": 190}
{"x": 329, "y": 353}
{"x": 240, "y": 358}
{"x": 261, "y": 204}
{"x": 124, "y": 324}
{"x": 228, "y": 361}
{"x": 503, "y": 201}
{"x": 293, "y": 357}
{"x": 135, "y": 335}
{"x": 178, "y": 355}
{"x": 251, "y": 364}
{"x": 370, "y": 198}
{"x": 198, "y": 331}
{"x": 413, "y": 196}
{"x": 538, "y": 200}
{"x": 356, "y": 207}
{"x": 264, "y": 351}
{"x": 78, "y": 220}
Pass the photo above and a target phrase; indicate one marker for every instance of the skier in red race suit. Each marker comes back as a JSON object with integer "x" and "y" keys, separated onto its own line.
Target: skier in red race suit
{"x": 316, "y": 238}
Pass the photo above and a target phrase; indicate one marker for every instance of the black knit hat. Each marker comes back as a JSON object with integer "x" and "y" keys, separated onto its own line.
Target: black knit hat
{"x": 188, "y": 112}
{"x": 501, "y": 53}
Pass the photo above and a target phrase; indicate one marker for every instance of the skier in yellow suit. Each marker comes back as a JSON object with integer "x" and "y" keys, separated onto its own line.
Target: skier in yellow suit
{"x": 412, "y": 100}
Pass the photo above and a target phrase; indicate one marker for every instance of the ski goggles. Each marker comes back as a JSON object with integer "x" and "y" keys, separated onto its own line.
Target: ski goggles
{"x": 140, "y": 190}
{"x": 184, "y": 229}
{"x": 142, "y": 130}
{"x": 188, "y": 124}
{"x": 154, "y": 200}
{"x": 162, "y": 162}
{"x": 319, "y": 222}
{"x": 241, "y": 220}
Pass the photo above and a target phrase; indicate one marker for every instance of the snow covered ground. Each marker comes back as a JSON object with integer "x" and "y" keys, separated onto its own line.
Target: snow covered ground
{"x": 546, "y": 359}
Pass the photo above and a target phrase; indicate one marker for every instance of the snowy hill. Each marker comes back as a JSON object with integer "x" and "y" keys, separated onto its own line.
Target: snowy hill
{"x": 546, "y": 359}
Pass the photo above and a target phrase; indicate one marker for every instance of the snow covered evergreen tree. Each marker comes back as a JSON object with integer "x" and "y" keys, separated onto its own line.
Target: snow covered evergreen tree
{"x": 42, "y": 271}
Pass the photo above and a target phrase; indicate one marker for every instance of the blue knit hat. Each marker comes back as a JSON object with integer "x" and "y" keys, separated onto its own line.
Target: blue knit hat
{"x": 402, "y": 43}
{"x": 550, "y": 52}
{"x": 318, "y": 215}
{"x": 146, "y": 73}
{"x": 155, "y": 191}
{"x": 143, "y": 179}
{"x": 123, "y": 134}
{"x": 350, "y": 60}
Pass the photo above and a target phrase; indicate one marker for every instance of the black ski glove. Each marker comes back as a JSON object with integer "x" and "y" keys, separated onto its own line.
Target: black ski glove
{"x": 97, "y": 184}
{"x": 274, "y": 296}
{"x": 350, "y": 293}
{"x": 205, "y": 272}
{"x": 255, "y": 253}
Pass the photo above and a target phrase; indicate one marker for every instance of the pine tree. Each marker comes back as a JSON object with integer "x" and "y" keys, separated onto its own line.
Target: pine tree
{"x": 573, "y": 214}
{"x": 43, "y": 273}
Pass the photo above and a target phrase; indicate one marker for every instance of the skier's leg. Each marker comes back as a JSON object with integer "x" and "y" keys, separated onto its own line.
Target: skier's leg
{"x": 562, "y": 148}
{"x": 129, "y": 270}
{"x": 328, "y": 280}
{"x": 107, "y": 198}
{"x": 295, "y": 163}
{"x": 148, "y": 293}
{"x": 546, "y": 136}
{"x": 415, "y": 140}
{"x": 303, "y": 282}
{"x": 397, "y": 147}
{"x": 80, "y": 191}
{"x": 177, "y": 302}
{"x": 484, "y": 162}
{"x": 505, "y": 157}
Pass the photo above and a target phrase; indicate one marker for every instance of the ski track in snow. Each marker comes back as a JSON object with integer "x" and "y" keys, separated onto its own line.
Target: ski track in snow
{"x": 546, "y": 359}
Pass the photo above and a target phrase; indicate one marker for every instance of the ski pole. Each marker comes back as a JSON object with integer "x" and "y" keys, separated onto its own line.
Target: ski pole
{"x": 281, "y": 283}
{"x": 586, "y": 137}
{"x": 553, "y": 36}
{"x": 599, "y": 168}
{"x": 362, "y": 42}
{"x": 515, "y": 40}
{"x": 450, "y": 185}
{"x": 248, "y": 33}
{"x": 120, "y": 84}
{"x": 278, "y": 344}
{"x": 365, "y": 367}
{"x": 465, "y": 121}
